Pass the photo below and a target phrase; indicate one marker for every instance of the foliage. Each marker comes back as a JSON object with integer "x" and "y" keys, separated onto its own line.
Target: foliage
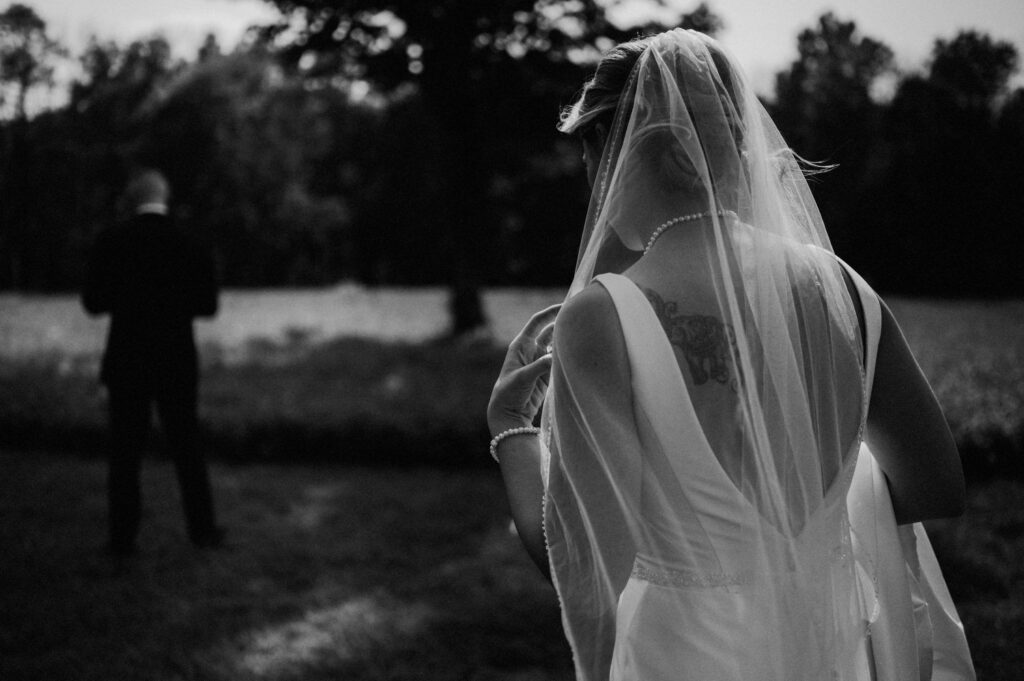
{"x": 829, "y": 85}
{"x": 825, "y": 110}
{"x": 65, "y": 167}
{"x": 973, "y": 67}
{"x": 27, "y": 55}
{"x": 483, "y": 72}
{"x": 302, "y": 393}
{"x": 948, "y": 202}
{"x": 414, "y": 143}
{"x": 261, "y": 166}
{"x": 921, "y": 200}
{"x": 242, "y": 146}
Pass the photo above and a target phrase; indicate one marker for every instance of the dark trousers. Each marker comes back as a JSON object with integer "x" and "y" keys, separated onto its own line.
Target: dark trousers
{"x": 130, "y": 414}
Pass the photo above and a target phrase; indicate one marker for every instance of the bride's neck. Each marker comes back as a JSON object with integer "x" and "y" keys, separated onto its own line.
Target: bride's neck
{"x": 686, "y": 235}
{"x": 681, "y": 251}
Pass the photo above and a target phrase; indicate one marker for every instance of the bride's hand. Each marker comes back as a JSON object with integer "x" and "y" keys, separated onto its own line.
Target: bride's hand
{"x": 519, "y": 390}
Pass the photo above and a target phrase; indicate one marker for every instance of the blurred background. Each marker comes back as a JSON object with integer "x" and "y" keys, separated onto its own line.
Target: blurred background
{"x": 388, "y": 201}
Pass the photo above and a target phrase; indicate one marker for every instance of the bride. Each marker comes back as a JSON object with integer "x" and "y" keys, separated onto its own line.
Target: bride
{"x": 735, "y": 443}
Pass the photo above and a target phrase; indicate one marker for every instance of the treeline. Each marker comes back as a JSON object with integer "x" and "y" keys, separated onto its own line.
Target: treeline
{"x": 341, "y": 150}
{"x": 927, "y": 196}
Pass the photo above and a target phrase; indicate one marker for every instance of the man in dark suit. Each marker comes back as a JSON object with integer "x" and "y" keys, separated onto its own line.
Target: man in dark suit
{"x": 152, "y": 280}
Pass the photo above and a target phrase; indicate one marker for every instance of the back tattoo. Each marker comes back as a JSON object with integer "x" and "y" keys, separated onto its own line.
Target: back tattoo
{"x": 704, "y": 341}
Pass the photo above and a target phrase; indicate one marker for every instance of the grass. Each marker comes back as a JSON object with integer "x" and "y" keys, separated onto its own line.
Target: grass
{"x": 351, "y": 400}
{"x": 32, "y": 324}
{"x": 973, "y": 356}
{"x": 356, "y": 400}
{"x": 359, "y": 400}
{"x": 349, "y": 573}
{"x": 330, "y": 573}
{"x": 383, "y": 571}
{"x": 279, "y": 383}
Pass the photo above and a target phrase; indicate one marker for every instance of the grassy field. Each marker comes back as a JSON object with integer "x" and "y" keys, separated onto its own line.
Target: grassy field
{"x": 973, "y": 355}
{"x": 34, "y": 325}
{"x": 329, "y": 573}
{"x": 344, "y": 374}
{"x": 400, "y": 570}
{"x": 350, "y": 573}
{"x": 358, "y": 375}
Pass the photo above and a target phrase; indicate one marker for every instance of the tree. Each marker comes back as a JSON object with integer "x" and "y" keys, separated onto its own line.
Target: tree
{"x": 119, "y": 83}
{"x": 473, "y": 64}
{"x": 825, "y": 111}
{"x": 27, "y": 56}
{"x": 239, "y": 143}
{"x": 26, "y": 61}
{"x": 974, "y": 68}
{"x": 260, "y": 164}
{"x": 1010, "y": 141}
{"x": 829, "y": 84}
{"x": 950, "y": 186}
{"x": 210, "y": 49}
{"x": 108, "y": 114}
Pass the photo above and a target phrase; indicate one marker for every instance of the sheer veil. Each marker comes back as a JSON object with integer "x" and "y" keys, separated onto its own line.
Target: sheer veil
{"x": 691, "y": 137}
{"x": 740, "y": 274}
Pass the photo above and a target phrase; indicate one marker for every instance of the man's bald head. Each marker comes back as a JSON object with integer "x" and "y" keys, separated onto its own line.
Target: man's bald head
{"x": 147, "y": 186}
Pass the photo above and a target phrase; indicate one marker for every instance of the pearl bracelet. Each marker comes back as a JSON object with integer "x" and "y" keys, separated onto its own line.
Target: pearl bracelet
{"x": 496, "y": 440}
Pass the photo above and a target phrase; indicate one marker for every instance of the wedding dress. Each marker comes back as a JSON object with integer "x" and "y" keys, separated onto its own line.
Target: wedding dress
{"x": 712, "y": 514}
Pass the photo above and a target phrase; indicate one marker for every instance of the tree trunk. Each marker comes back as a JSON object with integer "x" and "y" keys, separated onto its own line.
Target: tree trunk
{"x": 449, "y": 92}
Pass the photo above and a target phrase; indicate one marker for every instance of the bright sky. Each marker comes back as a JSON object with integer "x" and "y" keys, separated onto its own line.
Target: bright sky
{"x": 762, "y": 33}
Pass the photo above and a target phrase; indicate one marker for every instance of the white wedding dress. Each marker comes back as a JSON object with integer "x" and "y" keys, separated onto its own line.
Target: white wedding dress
{"x": 711, "y": 607}
{"x": 702, "y": 600}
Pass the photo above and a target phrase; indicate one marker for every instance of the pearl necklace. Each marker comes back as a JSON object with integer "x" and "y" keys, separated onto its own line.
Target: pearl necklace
{"x": 675, "y": 221}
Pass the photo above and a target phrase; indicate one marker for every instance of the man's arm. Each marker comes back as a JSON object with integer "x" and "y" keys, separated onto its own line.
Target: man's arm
{"x": 204, "y": 283}
{"x": 97, "y": 294}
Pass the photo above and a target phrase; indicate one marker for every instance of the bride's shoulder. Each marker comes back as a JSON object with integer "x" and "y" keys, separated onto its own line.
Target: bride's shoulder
{"x": 587, "y": 328}
{"x": 590, "y": 310}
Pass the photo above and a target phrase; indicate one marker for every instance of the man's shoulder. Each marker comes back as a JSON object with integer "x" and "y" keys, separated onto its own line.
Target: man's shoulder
{"x": 155, "y": 219}
{"x": 156, "y": 226}
{"x": 147, "y": 231}
{"x": 130, "y": 224}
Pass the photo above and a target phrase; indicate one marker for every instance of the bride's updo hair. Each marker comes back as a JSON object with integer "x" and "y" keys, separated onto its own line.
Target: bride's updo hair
{"x": 600, "y": 96}
{"x": 667, "y": 164}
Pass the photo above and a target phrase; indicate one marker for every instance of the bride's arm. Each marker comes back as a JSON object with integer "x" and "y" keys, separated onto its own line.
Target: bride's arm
{"x": 909, "y": 436}
{"x": 521, "y": 470}
{"x": 595, "y": 433}
{"x": 515, "y": 400}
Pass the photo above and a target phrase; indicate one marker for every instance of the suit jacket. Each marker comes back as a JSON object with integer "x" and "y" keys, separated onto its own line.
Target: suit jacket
{"x": 152, "y": 280}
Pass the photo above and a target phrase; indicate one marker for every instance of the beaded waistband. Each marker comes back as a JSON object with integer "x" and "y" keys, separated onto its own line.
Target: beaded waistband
{"x": 646, "y": 570}
{"x": 689, "y": 579}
